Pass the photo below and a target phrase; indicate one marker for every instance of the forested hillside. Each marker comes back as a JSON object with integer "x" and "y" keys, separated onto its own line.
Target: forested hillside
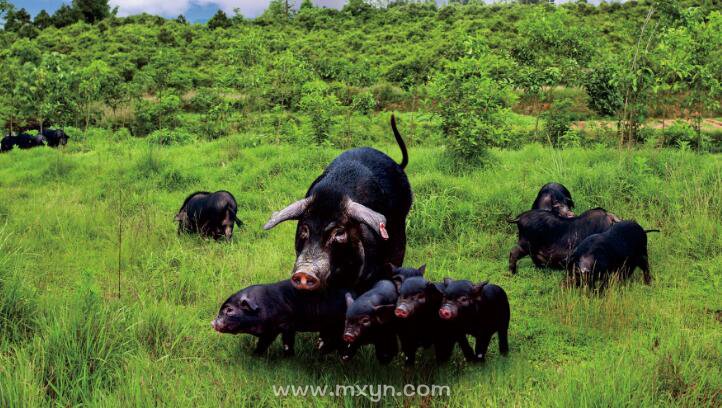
{"x": 324, "y": 71}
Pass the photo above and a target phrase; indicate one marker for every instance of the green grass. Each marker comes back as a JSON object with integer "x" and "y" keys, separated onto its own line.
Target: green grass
{"x": 68, "y": 338}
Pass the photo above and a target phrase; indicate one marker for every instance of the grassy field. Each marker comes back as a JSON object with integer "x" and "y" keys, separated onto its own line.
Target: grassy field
{"x": 102, "y": 304}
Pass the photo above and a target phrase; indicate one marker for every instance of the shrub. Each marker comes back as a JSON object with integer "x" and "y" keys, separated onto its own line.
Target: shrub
{"x": 558, "y": 120}
{"x": 602, "y": 85}
{"x": 681, "y": 134}
{"x": 474, "y": 108}
{"x": 150, "y": 116}
{"x": 363, "y": 103}
{"x": 320, "y": 106}
{"x": 166, "y": 137}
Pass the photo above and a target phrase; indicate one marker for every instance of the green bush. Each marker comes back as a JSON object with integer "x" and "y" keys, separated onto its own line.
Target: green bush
{"x": 363, "y": 103}
{"x": 474, "y": 108}
{"x": 320, "y": 106}
{"x": 150, "y": 116}
{"x": 165, "y": 137}
{"x": 558, "y": 120}
{"x": 681, "y": 134}
{"x": 602, "y": 86}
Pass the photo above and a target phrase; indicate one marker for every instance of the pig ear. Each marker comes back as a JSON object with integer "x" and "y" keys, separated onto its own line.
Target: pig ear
{"x": 398, "y": 280}
{"x": 422, "y": 269}
{"x": 249, "y": 304}
{"x": 384, "y": 313}
{"x": 349, "y": 299}
{"x": 447, "y": 281}
{"x": 477, "y": 289}
{"x": 292, "y": 212}
{"x": 433, "y": 288}
{"x": 389, "y": 268}
{"x": 373, "y": 219}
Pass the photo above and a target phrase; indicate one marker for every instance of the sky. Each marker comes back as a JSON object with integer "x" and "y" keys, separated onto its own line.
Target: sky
{"x": 194, "y": 10}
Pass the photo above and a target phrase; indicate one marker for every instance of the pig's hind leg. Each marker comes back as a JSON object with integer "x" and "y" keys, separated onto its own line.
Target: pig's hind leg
{"x": 288, "y": 338}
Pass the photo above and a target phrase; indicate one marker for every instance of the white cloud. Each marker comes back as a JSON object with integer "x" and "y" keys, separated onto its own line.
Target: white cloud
{"x": 161, "y": 7}
{"x": 171, "y": 8}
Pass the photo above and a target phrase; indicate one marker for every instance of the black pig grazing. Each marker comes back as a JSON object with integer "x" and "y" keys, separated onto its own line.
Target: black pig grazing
{"x": 419, "y": 324}
{"x": 550, "y": 238}
{"x": 23, "y": 141}
{"x": 352, "y": 221}
{"x": 621, "y": 248}
{"x": 55, "y": 137}
{"x": 481, "y": 310}
{"x": 369, "y": 320}
{"x": 266, "y": 311}
{"x": 209, "y": 214}
{"x": 556, "y": 198}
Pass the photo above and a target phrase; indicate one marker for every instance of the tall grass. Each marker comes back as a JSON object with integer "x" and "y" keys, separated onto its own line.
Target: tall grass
{"x": 67, "y": 339}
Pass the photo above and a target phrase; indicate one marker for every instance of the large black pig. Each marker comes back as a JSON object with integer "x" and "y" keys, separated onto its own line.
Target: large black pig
{"x": 556, "y": 198}
{"x": 266, "y": 311}
{"x": 550, "y": 238}
{"x": 621, "y": 248}
{"x": 352, "y": 221}
{"x": 209, "y": 214}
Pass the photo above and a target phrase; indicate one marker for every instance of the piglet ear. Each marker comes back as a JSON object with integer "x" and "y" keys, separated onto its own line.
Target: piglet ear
{"x": 384, "y": 313}
{"x": 389, "y": 268}
{"x": 422, "y": 269}
{"x": 249, "y": 305}
{"x": 477, "y": 289}
{"x": 181, "y": 216}
{"x": 447, "y": 281}
{"x": 349, "y": 299}
{"x": 398, "y": 280}
{"x": 433, "y": 288}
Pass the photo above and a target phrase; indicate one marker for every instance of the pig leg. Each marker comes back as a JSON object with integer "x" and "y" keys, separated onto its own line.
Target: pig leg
{"x": 408, "y": 346}
{"x": 482, "y": 345}
{"x": 644, "y": 266}
{"x": 516, "y": 253}
{"x": 386, "y": 349}
{"x": 289, "y": 339}
{"x": 504, "y": 340}
{"x": 264, "y": 342}
{"x": 443, "y": 350}
{"x": 466, "y": 348}
{"x": 329, "y": 340}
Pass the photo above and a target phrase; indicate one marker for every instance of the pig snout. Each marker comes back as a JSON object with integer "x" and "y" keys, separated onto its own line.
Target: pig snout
{"x": 216, "y": 325}
{"x": 305, "y": 281}
{"x": 402, "y": 311}
{"x": 447, "y": 312}
{"x": 349, "y": 336}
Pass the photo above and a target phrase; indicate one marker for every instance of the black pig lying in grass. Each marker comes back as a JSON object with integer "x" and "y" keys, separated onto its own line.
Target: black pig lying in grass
{"x": 370, "y": 317}
{"x": 266, "y": 311}
{"x": 419, "y": 324}
{"x": 480, "y": 310}
{"x": 209, "y": 214}
{"x": 622, "y": 248}
{"x": 556, "y": 198}
{"x": 550, "y": 238}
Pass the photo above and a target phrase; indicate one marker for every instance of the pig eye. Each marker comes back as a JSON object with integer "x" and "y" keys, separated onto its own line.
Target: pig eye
{"x": 340, "y": 236}
{"x": 464, "y": 299}
{"x": 421, "y": 296}
{"x": 365, "y": 320}
{"x": 304, "y": 231}
{"x": 229, "y": 311}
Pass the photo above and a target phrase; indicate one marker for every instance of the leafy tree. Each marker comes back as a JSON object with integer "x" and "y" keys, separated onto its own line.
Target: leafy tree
{"x": 320, "y": 105}
{"x": 219, "y": 20}
{"x": 92, "y": 11}
{"x": 65, "y": 15}
{"x": 473, "y": 107}
{"x": 43, "y": 20}
{"x": 181, "y": 19}
{"x": 15, "y": 20}
{"x": 603, "y": 87}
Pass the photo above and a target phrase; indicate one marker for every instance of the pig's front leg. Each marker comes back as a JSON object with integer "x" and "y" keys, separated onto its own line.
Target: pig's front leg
{"x": 288, "y": 338}
{"x": 264, "y": 341}
{"x": 466, "y": 348}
